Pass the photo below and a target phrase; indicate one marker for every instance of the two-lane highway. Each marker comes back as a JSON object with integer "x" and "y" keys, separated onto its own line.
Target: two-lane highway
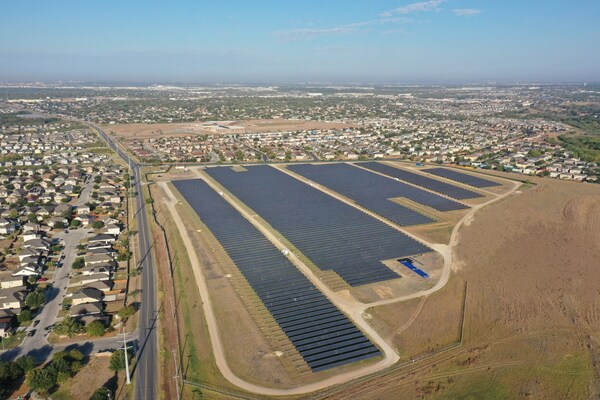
{"x": 147, "y": 349}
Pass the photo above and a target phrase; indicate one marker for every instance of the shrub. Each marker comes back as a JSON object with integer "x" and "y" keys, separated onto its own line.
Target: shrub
{"x": 96, "y": 328}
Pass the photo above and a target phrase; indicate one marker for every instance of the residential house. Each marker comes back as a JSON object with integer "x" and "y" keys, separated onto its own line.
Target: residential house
{"x": 86, "y": 295}
{"x": 12, "y": 298}
{"x": 11, "y": 282}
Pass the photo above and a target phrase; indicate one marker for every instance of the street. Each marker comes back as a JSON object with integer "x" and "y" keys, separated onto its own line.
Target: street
{"x": 147, "y": 362}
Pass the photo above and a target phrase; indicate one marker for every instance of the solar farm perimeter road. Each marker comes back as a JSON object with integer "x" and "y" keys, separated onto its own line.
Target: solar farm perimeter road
{"x": 332, "y": 234}
{"x": 147, "y": 363}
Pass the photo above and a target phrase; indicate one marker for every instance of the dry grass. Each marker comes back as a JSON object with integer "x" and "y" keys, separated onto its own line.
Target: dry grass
{"x": 146, "y": 131}
{"x": 531, "y": 318}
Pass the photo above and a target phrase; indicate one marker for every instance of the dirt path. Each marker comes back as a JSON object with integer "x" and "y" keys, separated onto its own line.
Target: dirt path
{"x": 353, "y": 308}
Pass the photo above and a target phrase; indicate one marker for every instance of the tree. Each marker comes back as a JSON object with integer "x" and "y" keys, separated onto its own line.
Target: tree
{"x": 69, "y": 327}
{"x": 78, "y": 263}
{"x": 25, "y": 316}
{"x": 9, "y": 371}
{"x": 97, "y": 224}
{"x": 26, "y": 363}
{"x": 96, "y": 328}
{"x": 101, "y": 394}
{"x": 35, "y": 299}
{"x": 126, "y": 312}
{"x": 75, "y": 224}
{"x": 59, "y": 225}
{"x": 117, "y": 360}
{"x": 42, "y": 379}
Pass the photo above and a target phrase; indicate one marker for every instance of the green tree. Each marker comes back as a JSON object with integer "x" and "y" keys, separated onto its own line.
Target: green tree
{"x": 126, "y": 312}
{"x": 75, "y": 223}
{"x": 42, "y": 379}
{"x": 26, "y": 363}
{"x": 76, "y": 355}
{"x": 97, "y": 224}
{"x": 78, "y": 263}
{"x": 96, "y": 328}
{"x": 25, "y": 316}
{"x": 117, "y": 360}
{"x": 59, "y": 225}
{"x": 35, "y": 299}
{"x": 69, "y": 327}
{"x": 101, "y": 394}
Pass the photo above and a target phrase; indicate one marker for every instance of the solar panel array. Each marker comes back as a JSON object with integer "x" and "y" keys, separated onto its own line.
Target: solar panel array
{"x": 332, "y": 234}
{"x": 321, "y": 333}
{"x": 374, "y": 192}
{"x": 421, "y": 180}
{"x": 462, "y": 178}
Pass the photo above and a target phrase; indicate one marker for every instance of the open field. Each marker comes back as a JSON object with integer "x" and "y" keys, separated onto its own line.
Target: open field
{"x": 525, "y": 333}
{"x": 270, "y": 125}
{"x": 531, "y": 318}
{"x": 142, "y": 131}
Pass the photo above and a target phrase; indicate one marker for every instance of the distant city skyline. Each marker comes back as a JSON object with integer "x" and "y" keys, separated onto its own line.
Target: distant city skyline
{"x": 433, "y": 41}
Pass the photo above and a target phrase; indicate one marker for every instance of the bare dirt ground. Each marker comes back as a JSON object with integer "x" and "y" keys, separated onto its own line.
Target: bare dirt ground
{"x": 270, "y": 125}
{"x": 532, "y": 307}
{"x": 145, "y": 131}
{"x": 94, "y": 375}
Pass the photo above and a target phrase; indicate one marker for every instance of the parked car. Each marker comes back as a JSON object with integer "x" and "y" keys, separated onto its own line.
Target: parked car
{"x": 36, "y": 322}
{"x": 32, "y": 332}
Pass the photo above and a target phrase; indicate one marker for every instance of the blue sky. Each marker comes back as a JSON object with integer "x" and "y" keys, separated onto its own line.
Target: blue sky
{"x": 432, "y": 41}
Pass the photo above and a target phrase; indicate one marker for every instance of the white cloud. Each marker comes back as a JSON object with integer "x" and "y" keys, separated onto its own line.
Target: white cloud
{"x": 421, "y": 6}
{"x": 465, "y": 12}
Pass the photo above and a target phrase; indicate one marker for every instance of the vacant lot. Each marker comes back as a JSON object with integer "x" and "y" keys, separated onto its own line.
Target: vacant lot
{"x": 144, "y": 131}
{"x": 531, "y": 318}
{"x": 271, "y": 125}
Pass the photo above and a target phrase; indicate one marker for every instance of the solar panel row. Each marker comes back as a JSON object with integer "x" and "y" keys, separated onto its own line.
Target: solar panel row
{"x": 462, "y": 178}
{"x": 374, "y": 192}
{"x": 323, "y": 335}
{"x": 332, "y": 234}
{"x": 421, "y": 180}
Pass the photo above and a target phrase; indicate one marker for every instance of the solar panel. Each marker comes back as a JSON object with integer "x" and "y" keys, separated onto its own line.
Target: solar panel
{"x": 332, "y": 234}
{"x": 421, "y": 180}
{"x": 304, "y": 314}
{"x": 461, "y": 177}
{"x": 374, "y": 192}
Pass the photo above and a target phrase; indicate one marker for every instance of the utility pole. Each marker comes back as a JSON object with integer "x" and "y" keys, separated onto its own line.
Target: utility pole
{"x": 125, "y": 347}
{"x": 176, "y": 377}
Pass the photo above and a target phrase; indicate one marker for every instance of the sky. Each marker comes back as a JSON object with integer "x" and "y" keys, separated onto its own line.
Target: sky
{"x": 361, "y": 41}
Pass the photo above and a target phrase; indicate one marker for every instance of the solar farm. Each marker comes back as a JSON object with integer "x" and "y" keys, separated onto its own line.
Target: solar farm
{"x": 422, "y": 180}
{"x": 321, "y": 333}
{"x": 332, "y": 234}
{"x": 467, "y": 179}
{"x": 310, "y": 244}
{"x": 375, "y": 192}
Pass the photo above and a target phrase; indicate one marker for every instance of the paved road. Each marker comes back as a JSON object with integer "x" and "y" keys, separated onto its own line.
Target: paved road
{"x": 145, "y": 371}
{"x": 84, "y": 196}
